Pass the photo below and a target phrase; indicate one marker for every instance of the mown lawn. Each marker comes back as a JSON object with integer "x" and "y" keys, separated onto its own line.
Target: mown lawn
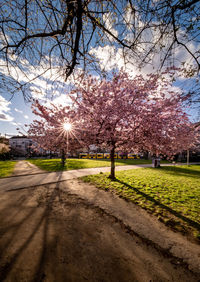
{"x": 172, "y": 193}
{"x": 55, "y": 164}
{"x": 6, "y": 168}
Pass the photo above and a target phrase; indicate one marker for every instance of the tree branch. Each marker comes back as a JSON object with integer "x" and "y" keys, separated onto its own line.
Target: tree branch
{"x": 185, "y": 6}
{"x": 79, "y": 12}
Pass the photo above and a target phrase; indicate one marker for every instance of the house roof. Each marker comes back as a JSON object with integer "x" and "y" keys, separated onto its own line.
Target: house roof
{"x": 18, "y": 137}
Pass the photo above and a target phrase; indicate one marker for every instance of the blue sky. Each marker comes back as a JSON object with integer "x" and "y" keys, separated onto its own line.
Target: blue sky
{"x": 15, "y": 112}
{"x": 18, "y": 114}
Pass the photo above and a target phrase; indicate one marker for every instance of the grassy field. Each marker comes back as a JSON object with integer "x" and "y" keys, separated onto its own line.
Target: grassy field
{"x": 171, "y": 193}
{"x": 6, "y": 168}
{"x": 55, "y": 164}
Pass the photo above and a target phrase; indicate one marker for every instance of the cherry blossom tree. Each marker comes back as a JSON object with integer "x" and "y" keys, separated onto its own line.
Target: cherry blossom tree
{"x": 55, "y": 129}
{"x": 119, "y": 114}
{"x": 139, "y": 114}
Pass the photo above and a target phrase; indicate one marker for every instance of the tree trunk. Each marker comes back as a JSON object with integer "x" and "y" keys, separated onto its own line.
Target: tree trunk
{"x": 112, "y": 158}
{"x": 156, "y": 161}
{"x": 188, "y": 157}
{"x": 63, "y": 158}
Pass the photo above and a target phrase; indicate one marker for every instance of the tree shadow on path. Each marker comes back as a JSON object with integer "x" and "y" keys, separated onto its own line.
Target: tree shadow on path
{"x": 41, "y": 219}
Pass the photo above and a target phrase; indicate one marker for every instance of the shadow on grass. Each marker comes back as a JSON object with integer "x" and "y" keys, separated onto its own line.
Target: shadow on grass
{"x": 177, "y": 214}
{"x": 181, "y": 171}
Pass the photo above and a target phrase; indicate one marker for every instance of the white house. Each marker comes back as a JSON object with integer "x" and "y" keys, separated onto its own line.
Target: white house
{"x": 21, "y": 144}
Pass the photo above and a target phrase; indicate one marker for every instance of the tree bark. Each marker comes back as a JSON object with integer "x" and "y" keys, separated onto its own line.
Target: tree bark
{"x": 188, "y": 157}
{"x": 63, "y": 158}
{"x": 112, "y": 158}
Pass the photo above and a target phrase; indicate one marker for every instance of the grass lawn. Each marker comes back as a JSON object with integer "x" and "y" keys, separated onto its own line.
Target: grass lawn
{"x": 172, "y": 193}
{"x": 55, "y": 164}
{"x": 6, "y": 168}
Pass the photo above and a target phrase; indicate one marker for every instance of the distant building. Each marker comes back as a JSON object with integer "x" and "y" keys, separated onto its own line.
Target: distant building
{"x": 23, "y": 146}
{"x": 20, "y": 145}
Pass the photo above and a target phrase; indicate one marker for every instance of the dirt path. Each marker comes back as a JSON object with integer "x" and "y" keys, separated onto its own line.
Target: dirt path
{"x": 26, "y": 175}
{"x": 50, "y": 234}
{"x": 24, "y": 168}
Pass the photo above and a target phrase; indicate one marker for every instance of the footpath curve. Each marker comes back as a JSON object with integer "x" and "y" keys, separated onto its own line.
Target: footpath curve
{"x": 36, "y": 178}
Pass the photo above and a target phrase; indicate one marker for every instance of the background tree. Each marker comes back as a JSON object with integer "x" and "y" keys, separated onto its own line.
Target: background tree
{"x": 61, "y": 35}
{"x": 4, "y": 150}
{"x": 133, "y": 114}
{"x": 52, "y": 132}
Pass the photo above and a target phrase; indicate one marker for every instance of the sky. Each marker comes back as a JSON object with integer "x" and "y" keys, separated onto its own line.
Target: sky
{"x": 15, "y": 111}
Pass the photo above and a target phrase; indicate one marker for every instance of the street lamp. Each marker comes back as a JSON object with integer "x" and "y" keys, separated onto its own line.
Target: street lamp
{"x": 67, "y": 127}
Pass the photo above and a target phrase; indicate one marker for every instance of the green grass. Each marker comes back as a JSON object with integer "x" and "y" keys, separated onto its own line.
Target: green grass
{"x": 55, "y": 164}
{"x": 172, "y": 193}
{"x": 6, "y": 168}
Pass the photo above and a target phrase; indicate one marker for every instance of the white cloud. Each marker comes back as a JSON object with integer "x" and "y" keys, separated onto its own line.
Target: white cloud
{"x": 16, "y": 123}
{"x": 4, "y": 105}
{"x": 5, "y": 117}
{"x": 18, "y": 111}
{"x": 4, "y": 109}
{"x": 4, "y": 38}
{"x": 109, "y": 21}
{"x": 26, "y": 117}
{"x": 111, "y": 58}
{"x": 63, "y": 100}
{"x": 43, "y": 84}
{"x": 144, "y": 38}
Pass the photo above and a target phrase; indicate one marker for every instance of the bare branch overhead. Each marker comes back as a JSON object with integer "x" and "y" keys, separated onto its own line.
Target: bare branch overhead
{"x": 61, "y": 33}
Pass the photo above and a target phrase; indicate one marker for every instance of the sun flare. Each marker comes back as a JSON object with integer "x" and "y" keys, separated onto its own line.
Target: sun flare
{"x": 67, "y": 126}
